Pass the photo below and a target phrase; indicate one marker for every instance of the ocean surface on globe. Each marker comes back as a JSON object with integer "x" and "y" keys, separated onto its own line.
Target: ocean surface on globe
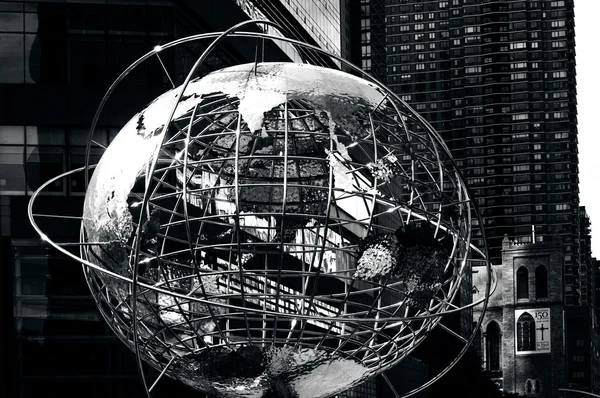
{"x": 294, "y": 230}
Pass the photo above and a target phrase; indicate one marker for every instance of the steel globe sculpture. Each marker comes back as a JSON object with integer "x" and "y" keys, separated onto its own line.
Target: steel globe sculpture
{"x": 276, "y": 229}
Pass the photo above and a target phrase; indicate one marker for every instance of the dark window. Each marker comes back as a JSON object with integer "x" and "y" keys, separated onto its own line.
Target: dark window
{"x": 525, "y": 333}
{"x": 533, "y": 386}
{"x": 12, "y": 172}
{"x": 541, "y": 282}
{"x": 478, "y": 345}
{"x": 12, "y": 66}
{"x": 493, "y": 346}
{"x": 522, "y": 283}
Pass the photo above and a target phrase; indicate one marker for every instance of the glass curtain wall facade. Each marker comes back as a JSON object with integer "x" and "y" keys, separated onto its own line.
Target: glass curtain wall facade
{"x": 322, "y": 19}
{"x": 57, "y": 60}
{"x": 497, "y": 80}
{"x": 322, "y": 23}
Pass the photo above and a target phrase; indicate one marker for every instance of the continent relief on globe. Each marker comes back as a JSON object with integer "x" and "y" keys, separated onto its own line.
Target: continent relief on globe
{"x": 410, "y": 255}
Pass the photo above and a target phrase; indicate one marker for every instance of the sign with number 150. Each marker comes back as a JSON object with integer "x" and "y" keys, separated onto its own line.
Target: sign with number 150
{"x": 533, "y": 324}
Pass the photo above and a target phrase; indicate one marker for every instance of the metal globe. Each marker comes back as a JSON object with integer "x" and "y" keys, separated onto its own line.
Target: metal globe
{"x": 292, "y": 230}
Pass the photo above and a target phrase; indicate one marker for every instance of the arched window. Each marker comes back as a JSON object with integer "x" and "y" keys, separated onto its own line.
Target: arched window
{"x": 522, "y": 283}
{"x": 525, "y": 333}
{"x": 541, "y": 282}
{"x": 533, "y": 387}
{"x": 493, "y": 346}
{"x": 528, "y": 387}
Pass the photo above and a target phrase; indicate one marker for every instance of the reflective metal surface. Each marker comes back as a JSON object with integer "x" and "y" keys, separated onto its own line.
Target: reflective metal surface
{"x": 276, "y": 228}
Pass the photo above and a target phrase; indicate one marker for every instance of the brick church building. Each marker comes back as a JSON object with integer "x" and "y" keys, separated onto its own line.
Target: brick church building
{"x": 521, "y": 339}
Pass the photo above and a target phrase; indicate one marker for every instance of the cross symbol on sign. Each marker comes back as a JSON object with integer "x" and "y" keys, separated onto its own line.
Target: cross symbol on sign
{"x": 542, "y": 328}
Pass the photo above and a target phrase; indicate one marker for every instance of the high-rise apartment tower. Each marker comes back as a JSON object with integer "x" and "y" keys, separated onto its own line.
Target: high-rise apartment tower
{"x": 497, "y": 80}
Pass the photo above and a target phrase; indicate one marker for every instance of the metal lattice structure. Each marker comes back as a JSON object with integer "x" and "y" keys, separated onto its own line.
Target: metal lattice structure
{"x": 271, "y": 225}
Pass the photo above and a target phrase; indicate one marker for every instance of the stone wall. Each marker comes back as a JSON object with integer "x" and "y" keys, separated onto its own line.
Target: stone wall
{"x": 539, "y": 374}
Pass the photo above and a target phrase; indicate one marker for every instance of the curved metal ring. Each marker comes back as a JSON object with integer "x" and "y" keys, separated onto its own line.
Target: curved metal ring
{"x": 219, "y": 37}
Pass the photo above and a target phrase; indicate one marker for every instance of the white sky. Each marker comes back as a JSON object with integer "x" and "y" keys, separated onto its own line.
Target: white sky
{"x": 587, "y": 45}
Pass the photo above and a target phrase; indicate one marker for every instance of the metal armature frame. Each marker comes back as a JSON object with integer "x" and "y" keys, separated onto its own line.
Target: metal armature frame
{"x": 376, "y": 336}
{"x": 589, "y": 394}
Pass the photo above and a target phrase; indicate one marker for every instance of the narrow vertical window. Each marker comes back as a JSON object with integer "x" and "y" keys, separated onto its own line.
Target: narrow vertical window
{"x": 522, "y": 283}
{"x": 541, "y": 282}
{"x": 493, "y": 346}
{"x": 478, "y": 346}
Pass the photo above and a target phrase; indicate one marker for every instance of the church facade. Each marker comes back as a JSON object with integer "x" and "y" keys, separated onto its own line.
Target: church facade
{"x": 521, "y": 338}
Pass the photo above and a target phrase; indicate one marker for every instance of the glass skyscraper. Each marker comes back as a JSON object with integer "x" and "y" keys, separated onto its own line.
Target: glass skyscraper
{"x": 56, "y": 61}
{"x": 58, "y": 58}
{"x": 322, "y": 23}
